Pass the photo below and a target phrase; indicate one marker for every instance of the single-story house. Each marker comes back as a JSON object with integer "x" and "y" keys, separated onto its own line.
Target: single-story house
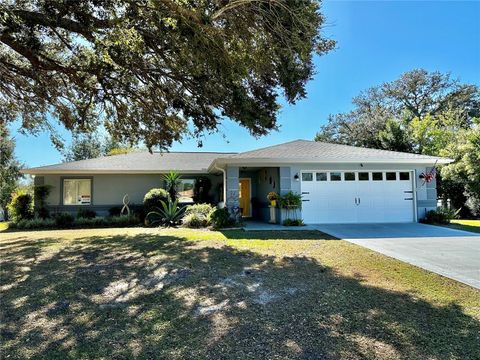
{"x": 338, "y": 183}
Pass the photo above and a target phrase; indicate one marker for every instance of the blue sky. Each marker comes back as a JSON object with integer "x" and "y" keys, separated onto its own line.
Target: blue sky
{"x": 377, "y": 41}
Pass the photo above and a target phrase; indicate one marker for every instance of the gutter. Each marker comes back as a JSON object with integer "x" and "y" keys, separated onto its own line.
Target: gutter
{"x": 224, "y": 182}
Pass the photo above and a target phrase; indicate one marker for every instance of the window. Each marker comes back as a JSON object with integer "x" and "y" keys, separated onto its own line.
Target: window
{"x": 377, "y": 176}
{"x": 321, "y": 176}
{"x": 405, "y": 175}
{"x": 363, "y": 176}
{"x": 307, "y": 176}
{"x": 391, "y": 176}
{"x": 349, "y": 176}
{"x": 335, "y": 176}
{"x": 185, "y": 190}
{"x": 77, "y": 191}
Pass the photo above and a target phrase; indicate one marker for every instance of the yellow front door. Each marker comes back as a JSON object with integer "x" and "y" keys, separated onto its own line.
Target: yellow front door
{"x": 244, "y": 196}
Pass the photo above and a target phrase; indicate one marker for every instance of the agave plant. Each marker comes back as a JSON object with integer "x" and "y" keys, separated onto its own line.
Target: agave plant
{"x": 169, "y": 215}
{"x": 172, "y": 180}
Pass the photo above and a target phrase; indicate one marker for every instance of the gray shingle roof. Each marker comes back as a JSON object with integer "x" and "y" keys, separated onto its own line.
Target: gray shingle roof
{"x": 313, "y": 151}
{"x": 136, "y": 162}
{"x": 302, "y": 151}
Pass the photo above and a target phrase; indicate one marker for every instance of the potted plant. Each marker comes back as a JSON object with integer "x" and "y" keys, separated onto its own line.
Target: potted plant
{"x": 272, "y": 197}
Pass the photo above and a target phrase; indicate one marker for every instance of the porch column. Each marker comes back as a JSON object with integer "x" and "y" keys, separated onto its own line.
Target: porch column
{"x": 233, "y": 173}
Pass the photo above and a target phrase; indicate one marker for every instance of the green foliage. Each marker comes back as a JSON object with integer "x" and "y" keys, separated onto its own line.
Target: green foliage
{"x": 145, "y": 69}
{"x": 86, "y": 214}
{"x": 441, "y": 216}
{"x": 169, "y": 214}
{"x": 202, "y": 189}
{"x": 154, "y": 198}
{"x": 465, "y": 171}
{"x": 21, "y": 206}
{"x": 172, "y": 181}
{"x": 382, "y": 115}
{"x": 194, "y": 220}
{"x": 9, "y": 166}
{"x": 395, "y": 137}
{"x": 293, "y": 222}
{"x": 290, "y": 200}
{"x": 220, "y": 218}
{"x": 40, "y": 193}
{"x": 120, "y": 151}
{"x": 200, "y": 209}
{"x": 32, "y": 224}
{"x": 84, "y": 146}
{"x": 79, "y": 223}
{"x": 64, "y": 220}
{"x": 197, "y": 215}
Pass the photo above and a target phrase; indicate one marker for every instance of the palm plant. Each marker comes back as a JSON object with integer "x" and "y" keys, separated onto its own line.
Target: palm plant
{"x": 169, "y": 215}
{"x": 172, "y": 180}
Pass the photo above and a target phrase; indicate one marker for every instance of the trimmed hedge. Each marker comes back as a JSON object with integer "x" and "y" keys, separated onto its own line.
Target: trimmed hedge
{"x": 62, "y": 221}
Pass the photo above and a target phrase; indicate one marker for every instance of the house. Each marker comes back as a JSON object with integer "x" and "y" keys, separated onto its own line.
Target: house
{"x": 338, "y": 183}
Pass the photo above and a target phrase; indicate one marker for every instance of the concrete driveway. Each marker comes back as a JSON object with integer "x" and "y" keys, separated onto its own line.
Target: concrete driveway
{"x": 448, "y": 252}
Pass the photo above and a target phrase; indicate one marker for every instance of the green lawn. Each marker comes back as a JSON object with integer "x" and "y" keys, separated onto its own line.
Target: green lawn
{"x": 193, "y": 294}
{"x": 467, "y": 225}
{"x": 3, "y": 225}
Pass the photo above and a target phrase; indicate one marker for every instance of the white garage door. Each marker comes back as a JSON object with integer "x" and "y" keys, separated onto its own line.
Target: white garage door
{"x": 357, "y": 197}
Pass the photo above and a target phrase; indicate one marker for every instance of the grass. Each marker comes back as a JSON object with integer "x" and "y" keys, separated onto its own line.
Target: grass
{"x": 3, "y": 225}
{"x": 178, "y": 293}
{"x": 467, "y": 225}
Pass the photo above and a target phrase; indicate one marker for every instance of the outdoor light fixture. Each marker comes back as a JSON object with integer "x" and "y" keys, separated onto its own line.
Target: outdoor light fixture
{"x": 296, "y": 177}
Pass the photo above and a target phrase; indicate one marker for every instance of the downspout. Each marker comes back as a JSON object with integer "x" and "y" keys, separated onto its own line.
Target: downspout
{"x": 224, "y": 183}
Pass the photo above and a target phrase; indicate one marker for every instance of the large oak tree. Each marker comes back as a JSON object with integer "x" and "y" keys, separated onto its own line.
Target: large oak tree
{"x": 154, "y": 70}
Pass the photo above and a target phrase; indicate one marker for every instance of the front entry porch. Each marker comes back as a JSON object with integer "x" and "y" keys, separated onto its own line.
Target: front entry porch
{"x": 248, "y": 187}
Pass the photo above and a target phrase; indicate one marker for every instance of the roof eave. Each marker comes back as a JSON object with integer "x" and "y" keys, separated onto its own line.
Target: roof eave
{"x": 37, "y": 171}
{"x": 281, "y": 161}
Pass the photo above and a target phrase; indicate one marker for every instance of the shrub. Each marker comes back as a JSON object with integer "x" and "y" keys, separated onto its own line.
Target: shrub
{"x": 153, "y": 199}
{"x": 441, "y": 216}
{"x": 115, "y": 211}
{"x": 293, "y": 222}
{"x": 40, "y": 194}
{"x": 64, "y": 220}
{"x": 118, "y": 221}
{"x": 194, "y": 220}
{"x": 169, "y": 215}
{"x": 124, "y": 220}
{"x": 86, "y": 214}
{"x": 197, "y": 215}
{"x": 21, "y": 206}
{"x": 220, "y": 218}
{"x": 33, "y": 224}
{"x": 199, "y": 209}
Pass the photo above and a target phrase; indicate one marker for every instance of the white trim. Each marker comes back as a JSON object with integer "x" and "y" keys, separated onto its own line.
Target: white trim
{"x": 273, "y": 162}
{"x": 250, "y": 199}
{"x": 414, "y": 184}
{"x": 106, "y": 172}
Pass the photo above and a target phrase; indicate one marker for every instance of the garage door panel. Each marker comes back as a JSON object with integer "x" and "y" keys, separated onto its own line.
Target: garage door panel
{"x": 373, "y": 196}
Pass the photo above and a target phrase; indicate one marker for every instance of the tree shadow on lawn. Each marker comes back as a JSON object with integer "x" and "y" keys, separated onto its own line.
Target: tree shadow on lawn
{"x": 150, "y": 296}
{"x": 277, "y": 235}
